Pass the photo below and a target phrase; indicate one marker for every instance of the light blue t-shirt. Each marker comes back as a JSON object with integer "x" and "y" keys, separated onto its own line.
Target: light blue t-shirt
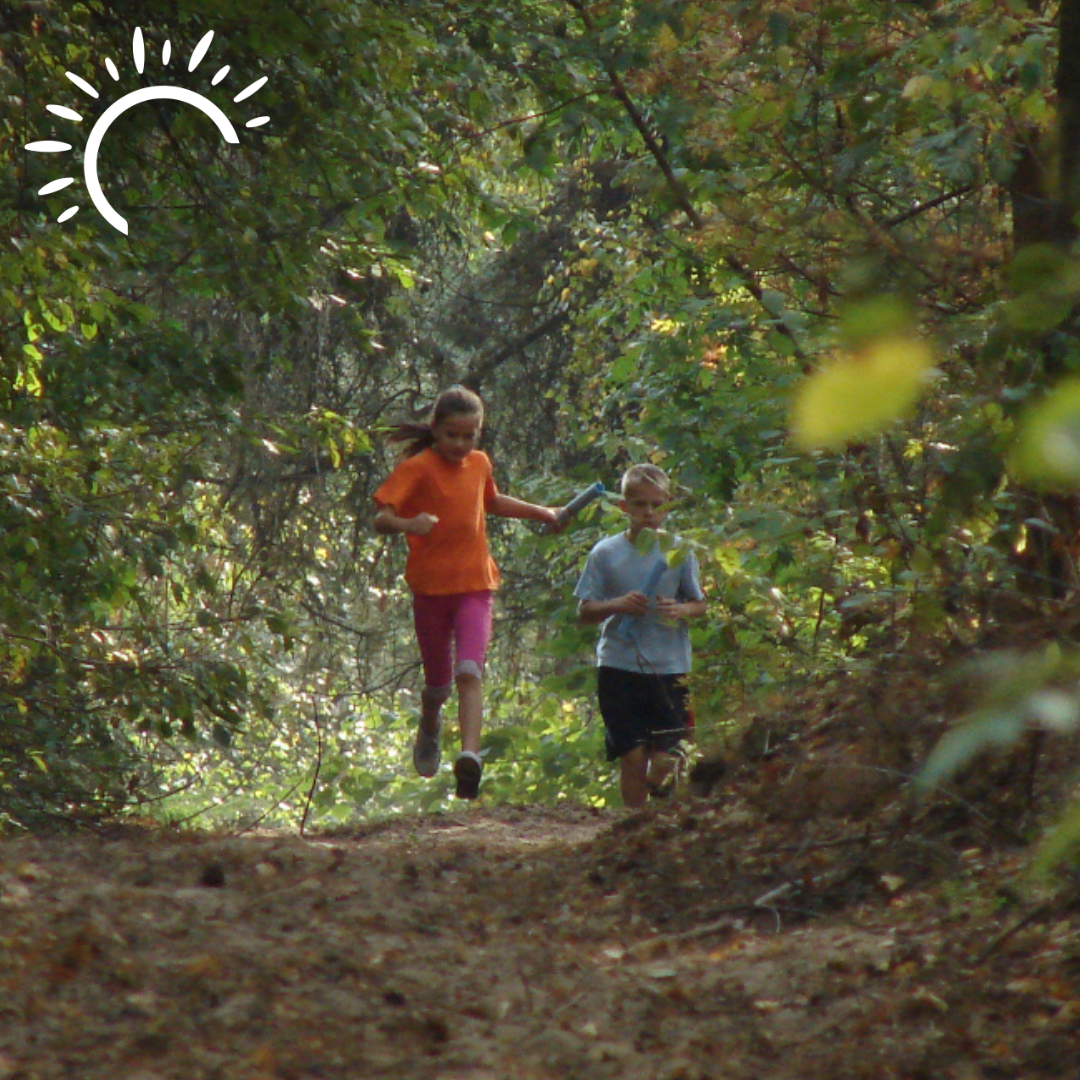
{"x": 614, "y": 568}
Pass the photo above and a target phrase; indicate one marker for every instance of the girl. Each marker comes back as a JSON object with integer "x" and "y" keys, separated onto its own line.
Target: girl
{"x": 438, "y": 496}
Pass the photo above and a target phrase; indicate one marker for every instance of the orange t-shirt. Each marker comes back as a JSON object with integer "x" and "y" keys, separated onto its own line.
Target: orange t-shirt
{"x": 454, "y": 556}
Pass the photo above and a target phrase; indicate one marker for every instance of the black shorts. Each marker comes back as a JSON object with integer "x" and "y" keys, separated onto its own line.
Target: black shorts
{"x": 642, "y": 710}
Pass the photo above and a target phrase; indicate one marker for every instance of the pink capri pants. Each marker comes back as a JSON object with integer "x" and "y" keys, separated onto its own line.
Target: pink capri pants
{"x": 453, "y": 633}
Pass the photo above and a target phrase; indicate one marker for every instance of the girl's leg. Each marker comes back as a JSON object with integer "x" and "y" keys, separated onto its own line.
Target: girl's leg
{"x": 432, "y": 699}
{"x": 633, "y": 783}
{"x": 470, "y": 689}
{"x": 433, "y": 634}
{"x": 433, "y": 621}
{"x": 472, "y": 632}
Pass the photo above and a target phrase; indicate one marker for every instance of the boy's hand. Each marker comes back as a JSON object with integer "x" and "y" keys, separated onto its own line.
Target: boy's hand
{"x": 668, "y": 610}
{"x": 633, "y": 603}
{"x": 420, "y": 525}
{"x": 671, "y": 611}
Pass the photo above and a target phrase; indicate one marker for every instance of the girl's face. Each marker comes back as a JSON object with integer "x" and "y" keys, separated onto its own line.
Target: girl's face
{"x": 457, "y": 436}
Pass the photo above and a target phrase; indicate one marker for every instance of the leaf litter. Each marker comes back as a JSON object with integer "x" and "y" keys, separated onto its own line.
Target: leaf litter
{"x": 798, "y": 916}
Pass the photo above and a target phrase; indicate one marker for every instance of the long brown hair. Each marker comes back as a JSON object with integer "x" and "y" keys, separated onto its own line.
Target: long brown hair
{"x": 419, "y": 435}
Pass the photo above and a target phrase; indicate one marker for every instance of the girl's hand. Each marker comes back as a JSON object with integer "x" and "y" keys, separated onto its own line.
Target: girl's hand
{"x": 551, "y": 518}
{"x": 420, "y": 525}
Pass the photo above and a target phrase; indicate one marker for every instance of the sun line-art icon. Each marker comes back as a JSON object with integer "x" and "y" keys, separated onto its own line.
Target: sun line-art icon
{"x": 121, "y": 105}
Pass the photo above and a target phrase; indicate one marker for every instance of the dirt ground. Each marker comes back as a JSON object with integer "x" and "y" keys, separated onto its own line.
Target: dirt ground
{"x": 791, "y": 913}
{"x": 711, "y": 937}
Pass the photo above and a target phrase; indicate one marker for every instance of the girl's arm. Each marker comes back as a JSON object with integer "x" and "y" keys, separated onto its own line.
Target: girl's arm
{"x": 509, "y": 507}
{"x": 387, "y": 522}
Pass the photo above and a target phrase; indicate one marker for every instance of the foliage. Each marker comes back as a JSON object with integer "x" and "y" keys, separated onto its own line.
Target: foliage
{"x": 766, "y": 246}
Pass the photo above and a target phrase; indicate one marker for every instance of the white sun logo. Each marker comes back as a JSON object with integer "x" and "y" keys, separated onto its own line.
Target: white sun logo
{"x": 121, "y": 105}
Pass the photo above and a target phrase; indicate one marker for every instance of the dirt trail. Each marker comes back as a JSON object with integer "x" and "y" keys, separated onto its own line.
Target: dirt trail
{"x": 489, "y": 944}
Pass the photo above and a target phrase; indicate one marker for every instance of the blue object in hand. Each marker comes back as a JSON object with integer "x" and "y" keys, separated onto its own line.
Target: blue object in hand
{"x": 628, "y": 625}
{"x": 580, "y": 501}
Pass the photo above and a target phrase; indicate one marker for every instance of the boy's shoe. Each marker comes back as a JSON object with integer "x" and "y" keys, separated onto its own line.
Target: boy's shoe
{"x": 661, "y": 789}
{"x": 426, "y": 753}
{"x": 468, "y": 769}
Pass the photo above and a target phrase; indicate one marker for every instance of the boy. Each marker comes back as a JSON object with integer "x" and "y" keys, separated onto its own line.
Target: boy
{"x": 644, "y": 648}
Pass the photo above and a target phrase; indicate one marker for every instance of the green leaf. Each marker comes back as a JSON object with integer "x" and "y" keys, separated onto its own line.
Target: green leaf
{"x": 1060, "y": 843}
{"x": 994, "y": 729}
{"x": 1046, "y": 284}
{"x": 646, "y": 540}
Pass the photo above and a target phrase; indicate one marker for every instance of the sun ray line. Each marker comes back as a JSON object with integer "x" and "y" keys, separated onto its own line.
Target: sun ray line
{"x": 82, "y": 84}
{"x": 65, "y": 112}
{"x": 91, "y": 152}
{"x": 138, "y": 50}
{"x": 200, "y": 50}
{"x": 253, "y": 88}
{"x": 54, "y": 186}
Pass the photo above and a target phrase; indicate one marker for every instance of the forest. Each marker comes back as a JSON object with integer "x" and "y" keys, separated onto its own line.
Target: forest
{"x": 816, "y": 260}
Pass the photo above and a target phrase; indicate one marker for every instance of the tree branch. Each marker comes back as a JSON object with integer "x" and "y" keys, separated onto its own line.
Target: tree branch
{"x": 678, "y": 189}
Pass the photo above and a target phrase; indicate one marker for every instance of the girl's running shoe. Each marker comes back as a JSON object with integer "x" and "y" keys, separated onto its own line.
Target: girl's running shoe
{"x": 468, "y": 769}
{"x": 426, "y": 754}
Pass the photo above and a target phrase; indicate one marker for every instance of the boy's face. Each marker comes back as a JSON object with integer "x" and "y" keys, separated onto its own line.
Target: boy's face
{"x": 645, "y": 505}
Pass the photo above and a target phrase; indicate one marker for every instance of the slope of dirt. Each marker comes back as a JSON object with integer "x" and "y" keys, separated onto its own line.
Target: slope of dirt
{"x": 698, "y": 940}
{"x": 790, "y": 915}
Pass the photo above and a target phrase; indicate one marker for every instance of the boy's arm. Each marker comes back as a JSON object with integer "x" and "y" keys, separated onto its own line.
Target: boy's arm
{"x": 508, "y": 507}
{"x": 674, "y": 609}
{"x": 681, "y": 609}
{"x": 591, "y": 612}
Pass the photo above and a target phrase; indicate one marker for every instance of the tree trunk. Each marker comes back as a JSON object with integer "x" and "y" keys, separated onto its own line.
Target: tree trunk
{"x": 1045, "y": 205}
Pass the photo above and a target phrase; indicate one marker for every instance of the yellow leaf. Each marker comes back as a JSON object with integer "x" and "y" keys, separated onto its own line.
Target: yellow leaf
{"x": 667, "y": 40}
{"x": 918, "y": 86}
{"x": 1047, "y": 451}
{"x": 856, "y": 395}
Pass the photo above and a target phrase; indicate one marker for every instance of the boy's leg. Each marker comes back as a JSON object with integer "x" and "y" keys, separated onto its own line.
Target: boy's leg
{"x": 633, "y": 782}
{"x": 661, "y": 770}
{"x": 625, "y": 732}
{"x": 670, "y": 708}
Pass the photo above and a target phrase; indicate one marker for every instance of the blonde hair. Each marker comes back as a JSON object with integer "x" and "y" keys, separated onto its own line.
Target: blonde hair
{"x": 455, "y": 401}
{"x": 637, "y": 475}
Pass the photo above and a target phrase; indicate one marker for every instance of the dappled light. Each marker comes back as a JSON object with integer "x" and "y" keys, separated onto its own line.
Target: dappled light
{"x": 819, "y": 264}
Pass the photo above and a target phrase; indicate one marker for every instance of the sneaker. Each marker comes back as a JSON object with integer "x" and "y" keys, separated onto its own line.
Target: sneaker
{"x": 468, "y": 769}
{"x": 661, "y": 789}
{"x": 426, "y": 753}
